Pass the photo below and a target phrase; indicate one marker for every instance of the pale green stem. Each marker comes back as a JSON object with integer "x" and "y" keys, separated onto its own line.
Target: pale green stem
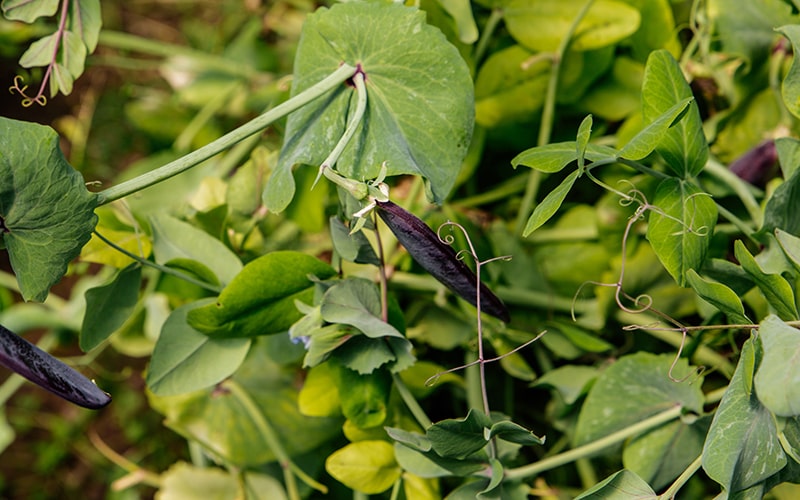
{"x": 271, "y": 438}
{"x": 672, "y": 491}
{"x": 486, "y": 35}
{"x": 548, "y": 112}
{"x": 601, "y": 444}
{"x": 352, "y": 124}
{"x": 742, "y": 189}
{"x": 411, "y": 402}
{"x": 252, "y": 127}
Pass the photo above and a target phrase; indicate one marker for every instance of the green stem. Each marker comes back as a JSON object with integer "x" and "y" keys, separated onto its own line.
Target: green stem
{"x": 682, "y": 479}
{"x": 594, "y": 447}
{"x": 252, "y": 127}
{"x": 546, "y": 125}
{"x": 502, "y": 191}
{"x": 742, "y": 189}
{"x": 411, "y": 402}
{"x": 163, "y": 269}
{"x": 486, "y": 35}
{"x": 271, "y": 437}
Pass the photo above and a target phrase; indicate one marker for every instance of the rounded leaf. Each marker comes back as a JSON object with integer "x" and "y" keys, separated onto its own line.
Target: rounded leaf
{"x": 365, "y": 466}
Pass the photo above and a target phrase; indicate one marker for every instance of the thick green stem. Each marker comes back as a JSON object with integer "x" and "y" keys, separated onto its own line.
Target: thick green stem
{"x": 411, "y": 402}
{"x": 252, "y": 127}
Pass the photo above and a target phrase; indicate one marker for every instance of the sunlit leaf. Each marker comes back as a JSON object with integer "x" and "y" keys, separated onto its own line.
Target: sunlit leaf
{"x": 365, "y": 466}
{"x": 550, "y": 204}
{"x": 776, "y": 289}
{"x": 28, "y": 11}
{"x": 417, "y": 84}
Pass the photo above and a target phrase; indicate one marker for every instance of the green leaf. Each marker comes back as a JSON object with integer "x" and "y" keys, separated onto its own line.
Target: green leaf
{"x": 460, "y": 438}
{"x": 683, "y": 146}
{"x": 791, "y": 247}
{"x": 73, "y": 53}
{"x": 778, "y": 386}
{"x": 510, "y": 87}
{"x": 356, "y": 302}
{"x": 742, "y": 447}
{"x": 461, "y": 12}
{"x": 680, "y": 229}
{"x": 550, "y": 204}
{"x": 41, "y": 52}
{"x": 417, "y": 84}
{"x": 319, "y": 396}
{"x": 554, "y": 157}
{"x": 85, "y": 20}
{"x": 783, "y": 206}
{"x": 652, "y": 135}
{"x": 514, "y": 433}
{"x": 622, "y": 485}
{"x": 185, "y": 360}
{"x": 260, "y": 299}
{"x": 719, "y": 296}
{"x": 175, "y": 239}
{"x": 366, "y": 466}
{"x": 365, "y": 398}
{"x": 109, "y": 306}
{"x": 28, "y": 11}
{"x": 541, "y": 25}
{"x": 788, "y": 149}
{"x": 775, "y": 288}
{"x": 430, "y": 464}
{"x": 634, "y": 388}
{"x": 46, "y": 213}
{"x": 183, "y": 480}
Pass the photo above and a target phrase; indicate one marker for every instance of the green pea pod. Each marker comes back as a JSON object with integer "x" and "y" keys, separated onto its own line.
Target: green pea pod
{"x": 438, "y": 258}
{"x": 19, "y": 355}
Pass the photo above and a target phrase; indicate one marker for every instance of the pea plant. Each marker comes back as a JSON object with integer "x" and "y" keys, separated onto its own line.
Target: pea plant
{"x": 502, "y": 249}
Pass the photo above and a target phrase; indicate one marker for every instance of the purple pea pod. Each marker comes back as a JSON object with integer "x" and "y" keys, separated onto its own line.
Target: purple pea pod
{"x": 19, "y": 355}
{"x": 756, "y": 165}
{"x": 438, "y": 258}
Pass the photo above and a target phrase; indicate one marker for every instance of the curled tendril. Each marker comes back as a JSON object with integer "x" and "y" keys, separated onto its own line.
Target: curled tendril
{"x": 28, "y": 101}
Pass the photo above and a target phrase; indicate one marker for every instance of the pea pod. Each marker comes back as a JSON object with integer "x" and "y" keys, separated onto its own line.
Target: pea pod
{"x": 438, "y": 258}
{"x": 19, "y": 355}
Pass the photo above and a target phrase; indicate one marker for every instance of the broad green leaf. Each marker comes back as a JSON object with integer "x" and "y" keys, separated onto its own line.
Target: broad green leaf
{"x": 719, "y": 296}
{"x": 353, "y": 247}
{"x": 411, "y": 440}
{"x": 790, "y": 87}
{"x": 460, "y": 438}
{"x": 109, "y": 306}
{"x": 365, "y": 355}
{"x": 775, "y": 288}
{"x": 554, "y": 157}
{"x": 684, "y": 146}
{"x": 28, "y": 11}
{"x": 185, "y": 360}
{"x": 783, "y": 206}
{"x": 364, "y": 398}
{"x": 226, "y": 426}
{"x": 791, "y": 247}
{"x": 175, "y": 239}
{"x": 366, "y": 466}
{"x": 652, "y": 135}
{"x": 622, "y": 485}
{"x": 73, "y": 53}
{"x": 777, "y": 385}
{"x": 46, "y": 213}
{"x": 541, "y": 25}
{"x": 662, "y": 454}
{"x": 634, "y": 388}
{"x": 570, "y": 381}
{"x": 514, "y": 433}
{"x": 85, "y": 20}
{"x": 260, "y": 300}
{"x": 319, "y": 396}
{"x": 510, "y": 87}
{"x": 680, "y": 228}
{"x": 656, "y": 30}
{"x": 742, "y": 447}
{"x": 417, "y": 84}
{"x": 617, "y": 96}
{"x": 550, "y": 204}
